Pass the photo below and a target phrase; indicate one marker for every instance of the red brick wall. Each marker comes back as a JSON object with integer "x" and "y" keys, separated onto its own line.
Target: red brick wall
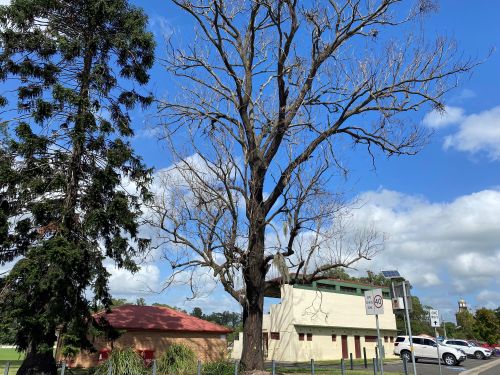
{"x": 207, "y": 346}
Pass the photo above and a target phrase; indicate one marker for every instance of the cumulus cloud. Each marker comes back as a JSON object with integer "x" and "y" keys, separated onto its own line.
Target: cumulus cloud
{"x": 449, "y": 248}
{"x": 474, "y": 133}
{"x": 486, "y": 298}
{"x": 478, "y": 133}
{"x": 439, "y": 119}
{"x": 125, "y": 283}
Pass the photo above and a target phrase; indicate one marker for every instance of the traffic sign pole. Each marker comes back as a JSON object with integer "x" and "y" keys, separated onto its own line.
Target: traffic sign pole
{"x": 439, "y": 355}
{"x": 435, "y": 322}
{"x": 409, "y": 329}
{"x": 380, "y": 349}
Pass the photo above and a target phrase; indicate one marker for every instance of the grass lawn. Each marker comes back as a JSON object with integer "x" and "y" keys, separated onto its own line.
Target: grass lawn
{"x": 10, "y": 355}
{"x": 358, "y": 372}
{"x": 325, "y": 367}
{"x": 297, "y": 371}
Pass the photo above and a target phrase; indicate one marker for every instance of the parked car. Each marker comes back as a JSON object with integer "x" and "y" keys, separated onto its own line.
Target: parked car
{"x": 426, "y": 348}
{"x": 494, "y": 350}
{"x": 471, "y": 349}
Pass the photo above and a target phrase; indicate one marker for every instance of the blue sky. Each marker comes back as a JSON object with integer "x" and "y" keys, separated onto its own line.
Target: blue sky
{"x": 439, "y": 208}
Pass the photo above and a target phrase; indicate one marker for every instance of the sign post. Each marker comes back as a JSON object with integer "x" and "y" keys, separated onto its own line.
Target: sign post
{"x": 435, "y": 322}
{"x": 374, "y": 304}
{"x": 408, "y": 322}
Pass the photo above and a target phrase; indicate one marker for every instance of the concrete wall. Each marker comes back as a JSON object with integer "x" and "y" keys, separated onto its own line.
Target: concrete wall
{"x": 323, "y": 314}
{"x": 325, "y": 308}
{"x": 207, "y": 346}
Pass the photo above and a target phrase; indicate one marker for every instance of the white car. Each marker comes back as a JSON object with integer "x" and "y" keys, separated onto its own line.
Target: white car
{"x": 424, "y": 347}
{"x": 470, "y": 349}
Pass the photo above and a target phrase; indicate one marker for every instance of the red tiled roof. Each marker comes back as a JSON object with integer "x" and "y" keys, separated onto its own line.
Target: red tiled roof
{"x": 158, "y": 318}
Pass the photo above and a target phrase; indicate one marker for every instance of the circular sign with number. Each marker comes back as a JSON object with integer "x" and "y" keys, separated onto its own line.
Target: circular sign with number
{"x": 378, "y": 301}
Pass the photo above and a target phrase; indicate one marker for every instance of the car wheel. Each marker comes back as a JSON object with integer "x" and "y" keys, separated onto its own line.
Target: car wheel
{"x": 405, "y": 354}
{"x": 479, "y": 355}
{"x": 449, "y": 359}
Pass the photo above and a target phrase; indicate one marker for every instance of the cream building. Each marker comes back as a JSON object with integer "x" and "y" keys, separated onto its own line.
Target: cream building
{"x": 325, "y": 320}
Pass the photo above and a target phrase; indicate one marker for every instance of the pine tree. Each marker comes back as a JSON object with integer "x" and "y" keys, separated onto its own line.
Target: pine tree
{"x": 74, "y": 69}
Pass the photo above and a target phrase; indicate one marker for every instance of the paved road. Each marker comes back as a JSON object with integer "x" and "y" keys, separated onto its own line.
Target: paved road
{"x": 431, "y": 367}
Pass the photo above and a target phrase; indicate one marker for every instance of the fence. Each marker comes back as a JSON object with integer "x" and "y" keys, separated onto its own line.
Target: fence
{"x": 344, "y": 366}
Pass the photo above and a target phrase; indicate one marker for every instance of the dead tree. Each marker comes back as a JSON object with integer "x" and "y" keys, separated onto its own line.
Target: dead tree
{"x": 271, "y": 94}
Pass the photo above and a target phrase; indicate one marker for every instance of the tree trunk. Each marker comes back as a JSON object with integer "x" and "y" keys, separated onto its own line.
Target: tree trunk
{"x": 252, "y": 357}
{"x": 254, "y": 273}
{"x": 38, "y": 364}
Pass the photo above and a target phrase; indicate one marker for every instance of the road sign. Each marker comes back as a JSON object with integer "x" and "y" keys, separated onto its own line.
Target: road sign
{"x": 434, "y": 316}
{"x": 397, "y": 292}
{"x": 374, "y": 302}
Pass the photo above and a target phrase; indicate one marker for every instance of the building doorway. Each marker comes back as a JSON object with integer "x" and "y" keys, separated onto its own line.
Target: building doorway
{"x": 265, "y": 343}
{"x": 357, "y": 346}
{"x": 345, "y": 349}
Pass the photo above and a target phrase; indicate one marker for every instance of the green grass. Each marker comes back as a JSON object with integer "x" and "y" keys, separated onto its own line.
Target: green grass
{"x": 13, "y": 356}
{"x": 8, "y": 354}
{"x": 305, "y": 371}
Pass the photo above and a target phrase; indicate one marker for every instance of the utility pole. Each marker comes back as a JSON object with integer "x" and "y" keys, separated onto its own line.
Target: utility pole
{"x": 409, "y": 329}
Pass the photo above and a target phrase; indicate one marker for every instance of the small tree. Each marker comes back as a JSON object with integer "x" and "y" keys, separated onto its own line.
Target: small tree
{"x": 197, "y": 312}
{"x": 270, "y": 92}
{"x": 71, "y": 67}
{"x": 486, "y": 326}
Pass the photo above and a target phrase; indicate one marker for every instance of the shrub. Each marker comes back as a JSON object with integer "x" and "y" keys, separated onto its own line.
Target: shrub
{"x": 177, "y": 360}
{"x": 218, "y": 368}
{"x": 124, "y": 362}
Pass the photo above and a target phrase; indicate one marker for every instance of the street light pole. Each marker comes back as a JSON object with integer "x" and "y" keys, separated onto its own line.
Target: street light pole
{"x": 409, "y": 328}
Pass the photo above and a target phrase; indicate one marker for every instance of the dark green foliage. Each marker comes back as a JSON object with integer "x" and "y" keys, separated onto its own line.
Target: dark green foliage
{"x": 218, "y": 368}
{"x": 177, "y": 360}
{"x": 71, "y": 67}
{"x": 228, "y": 319}
{"x": 124, "y": 362}
{"x": 486, "y": 326}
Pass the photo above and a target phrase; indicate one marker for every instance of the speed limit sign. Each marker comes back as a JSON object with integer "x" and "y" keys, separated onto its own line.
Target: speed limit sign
{"x": 374, "y": 302}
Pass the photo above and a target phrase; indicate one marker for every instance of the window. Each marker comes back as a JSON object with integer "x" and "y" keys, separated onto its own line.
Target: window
{"x": 301, "y": 337}
{"x": 309, "y": 337}
{"x": 418, "y": 341}
{"x": 326, "y": 286}
{"x": 348, "y": 289}
{"x": 334, "y": 337}
{"x": 461, "y": 343}
{"x": 370, "y": 338}
{"x": 392, "y": 338}
{"x": 275, "y": 335}
{"x": 429, "y": 342}
{"x": 400, "y": 339}
{"x": 386, "y": 338}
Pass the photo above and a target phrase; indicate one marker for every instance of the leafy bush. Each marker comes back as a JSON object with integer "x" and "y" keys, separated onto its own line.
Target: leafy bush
{"x": 218, "y": 368}
{"x": 177, "y": 360}
{"x": 124, "y": 362}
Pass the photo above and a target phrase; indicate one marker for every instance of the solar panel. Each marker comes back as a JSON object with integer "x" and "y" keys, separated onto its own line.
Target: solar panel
{"x": 391, "y": 274}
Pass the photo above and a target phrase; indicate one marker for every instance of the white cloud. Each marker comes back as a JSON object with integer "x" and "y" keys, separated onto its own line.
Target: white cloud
{"x": 478, "y": 133}
{"x": 125, "y": 283}
{"x": 486, "y": 298}
{"x": 439, "y": 119}
{"x": 445, "y": 249}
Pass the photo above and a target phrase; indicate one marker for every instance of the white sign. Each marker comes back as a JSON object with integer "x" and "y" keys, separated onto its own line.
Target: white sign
{"x": 374, "y": 302}
{"x": 434, "y": 316}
